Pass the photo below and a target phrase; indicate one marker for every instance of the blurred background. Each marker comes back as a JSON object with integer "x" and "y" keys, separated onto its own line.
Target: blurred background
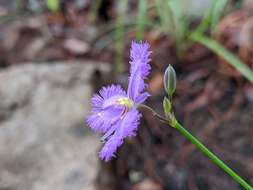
{"x": 55, "y": 53}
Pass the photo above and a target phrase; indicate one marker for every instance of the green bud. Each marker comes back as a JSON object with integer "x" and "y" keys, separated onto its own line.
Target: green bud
{"x": 170, "y": 80}
{"x": 166, "y": 106}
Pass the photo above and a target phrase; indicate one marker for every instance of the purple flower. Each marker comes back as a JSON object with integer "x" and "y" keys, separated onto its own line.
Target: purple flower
{"x": 114, "y": 111}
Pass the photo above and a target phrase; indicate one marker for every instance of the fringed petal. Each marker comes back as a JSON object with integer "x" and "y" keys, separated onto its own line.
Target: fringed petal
{"x": 124, "y": 128}
{"x": 142, "y": 97}
{"x": 129, "y": 124}
{"x": 105, "y": 111}
{"x": 101, "y": 120}
{"x": 139, "y": 70}
{"x": 110, "y": 147}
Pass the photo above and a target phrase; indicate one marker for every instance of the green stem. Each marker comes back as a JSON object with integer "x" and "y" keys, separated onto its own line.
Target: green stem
{"x": 211, "y": 156}
{"x": 174, "y": 123}
{"x": 155, "y": 114}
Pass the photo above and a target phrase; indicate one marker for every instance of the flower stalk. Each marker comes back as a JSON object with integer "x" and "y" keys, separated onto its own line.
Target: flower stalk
{"x": 172, "y": 122}
{"x": 170, "y": 83}
{"x": 212, "y": 156}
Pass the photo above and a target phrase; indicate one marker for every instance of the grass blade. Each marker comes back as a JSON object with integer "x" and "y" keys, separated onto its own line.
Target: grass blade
{"x": 217, "y": 13}
{"x": 213, "y": 15}
{"x": 217, "y": 48}
{"x": 166, "y": 16}
{"x": 141, "y": 19}
{"x": 119, "y": 34}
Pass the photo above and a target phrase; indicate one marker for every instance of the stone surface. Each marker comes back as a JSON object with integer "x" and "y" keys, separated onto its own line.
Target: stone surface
{"x": 44, "y": 143}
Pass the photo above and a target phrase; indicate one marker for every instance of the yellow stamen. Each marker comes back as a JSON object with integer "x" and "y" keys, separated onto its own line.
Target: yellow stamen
{"x": 125, "y": 102}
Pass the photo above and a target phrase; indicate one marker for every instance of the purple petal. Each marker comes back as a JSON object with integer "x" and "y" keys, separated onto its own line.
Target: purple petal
{"x": 101, "y": 120}
{"x": 109, "y": 132}
{"x": 142, "y": 97}
{"x": 105, "y": 112}
{"x": 106, "y": 93}
{"x": 140, "y": 52}
{"x": 129, "y": 124}
{"x": 139, "y": 70}
{"x": 110, "y": 91}
{"x": 110, "y": 147}
{"x": 124, "y": 128}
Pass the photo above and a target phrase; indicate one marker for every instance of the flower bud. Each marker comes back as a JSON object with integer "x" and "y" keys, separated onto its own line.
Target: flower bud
{"x": 167, "y": 106}
{"x": 170, "y": 80}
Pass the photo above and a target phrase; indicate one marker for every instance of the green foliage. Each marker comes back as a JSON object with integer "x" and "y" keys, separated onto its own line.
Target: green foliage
{"x": 53, "y": 5}
{"x": 225, "y": 54}
{"x": 213, "y": 16}
{"x": 165, "y": 16}
{"x": 18, "y": 4}
{"x": 217, "y": 12}
{"x": 184, "y": 35}
{"x": 141, "y": 19}
{"x": 173, "y": 21}
{"x": 119, "y": 34}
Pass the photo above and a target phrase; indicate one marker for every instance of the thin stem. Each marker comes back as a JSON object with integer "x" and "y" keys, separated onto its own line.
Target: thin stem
{"x": 174, "y": 123}
{"x": 155, "y": 114}
{"x": 212, "y": 156}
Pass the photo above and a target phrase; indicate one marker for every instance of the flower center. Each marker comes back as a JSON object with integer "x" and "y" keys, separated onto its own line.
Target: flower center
{"x": 125, "y": 102}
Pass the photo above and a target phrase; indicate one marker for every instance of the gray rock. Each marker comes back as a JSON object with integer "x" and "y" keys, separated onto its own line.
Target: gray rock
{"x": 44, "y": 143}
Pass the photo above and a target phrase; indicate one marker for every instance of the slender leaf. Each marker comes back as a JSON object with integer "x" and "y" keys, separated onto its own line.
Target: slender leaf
{"x": 141, "y": 19}
{"x": 166, "y": 16}
{"x": 217, "y": 12}
{"x": 119, "y": 34}
{"x": 213, "y": 15}
{"x": 217, "y": 48}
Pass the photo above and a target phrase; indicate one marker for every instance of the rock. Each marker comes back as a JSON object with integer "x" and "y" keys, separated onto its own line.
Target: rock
{"x": 147, "y": 184}
{"x": 76, "y": 46}
{"x": 44, "y": 143}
